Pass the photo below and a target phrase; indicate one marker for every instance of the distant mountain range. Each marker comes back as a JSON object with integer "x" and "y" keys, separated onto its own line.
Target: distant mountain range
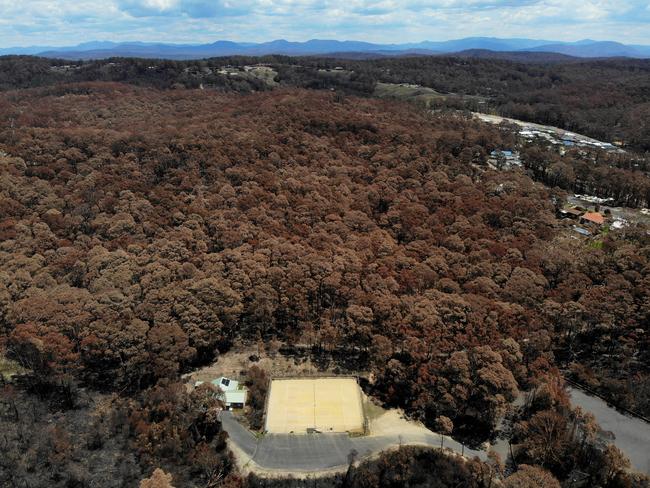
{"x": 105, "y": 49}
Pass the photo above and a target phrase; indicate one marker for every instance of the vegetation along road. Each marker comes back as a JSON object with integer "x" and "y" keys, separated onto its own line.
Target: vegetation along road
{"x": 631, "y": 435}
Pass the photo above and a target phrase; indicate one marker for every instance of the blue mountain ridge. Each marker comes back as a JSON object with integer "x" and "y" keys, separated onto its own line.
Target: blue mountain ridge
{"x": 586, "y": 48}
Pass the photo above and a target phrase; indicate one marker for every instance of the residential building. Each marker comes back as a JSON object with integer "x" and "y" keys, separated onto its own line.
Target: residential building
{"x": 231, "y": 393}
{"x": 571, "y": 213}
{"x": 593, "y": 218}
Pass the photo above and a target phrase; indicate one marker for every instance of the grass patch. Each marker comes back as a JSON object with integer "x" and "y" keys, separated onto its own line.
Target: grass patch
{"x": 407, "y": 92}
{"x": 421, "y": 94}
{"x": 264, "y": 73}
{"x": 9, "y": 368}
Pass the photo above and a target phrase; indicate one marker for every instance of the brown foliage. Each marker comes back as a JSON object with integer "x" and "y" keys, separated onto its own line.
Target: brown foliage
{"x": 529, "y": 476}
{"x": 148, "y": 230}
{"x": 159, "y": 479}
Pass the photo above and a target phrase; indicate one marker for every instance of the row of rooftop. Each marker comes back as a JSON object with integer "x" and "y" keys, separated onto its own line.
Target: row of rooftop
{"x": 590, "y": 222}
{"x": 584, "y": 216}
{"x": 568, "y": 139}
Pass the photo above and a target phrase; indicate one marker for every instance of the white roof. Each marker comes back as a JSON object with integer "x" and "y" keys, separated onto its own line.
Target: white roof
{"x": 238, "y": 396}
{"x": 230, "y": 390}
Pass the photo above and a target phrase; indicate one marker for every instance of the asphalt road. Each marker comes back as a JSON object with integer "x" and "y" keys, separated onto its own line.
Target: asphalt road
{"x": 319, "y": 452}
{"x": 631, "y": 435}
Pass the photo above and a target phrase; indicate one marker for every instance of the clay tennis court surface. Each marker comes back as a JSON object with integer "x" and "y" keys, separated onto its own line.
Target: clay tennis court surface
{"x": 324, "y": 404}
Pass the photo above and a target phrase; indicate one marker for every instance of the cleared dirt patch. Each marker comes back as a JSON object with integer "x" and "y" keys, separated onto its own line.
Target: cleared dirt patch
{"x": 235, "y": 363}
{"x": 324, "y": 404}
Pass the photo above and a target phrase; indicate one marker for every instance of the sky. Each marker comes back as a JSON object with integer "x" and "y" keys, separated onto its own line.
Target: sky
{"x": 69, "y": 22}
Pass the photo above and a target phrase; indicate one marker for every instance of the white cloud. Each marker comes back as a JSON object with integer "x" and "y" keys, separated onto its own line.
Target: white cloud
{"x": 57, "y": 22}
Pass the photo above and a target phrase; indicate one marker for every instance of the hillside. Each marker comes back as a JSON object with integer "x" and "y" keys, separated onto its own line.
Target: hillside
{"x": 145, "y": 231}
{"x": 605, "y": 99}
{"x": 539, "y": 57}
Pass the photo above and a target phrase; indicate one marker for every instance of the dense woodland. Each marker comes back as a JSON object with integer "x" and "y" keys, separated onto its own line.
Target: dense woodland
{"x": 144, "y": 231}
{"x": 29, "y": 72}
{"x": 112, "y": 441}
{"x": 623, "y": 178}
{"x": 606, "y": 99}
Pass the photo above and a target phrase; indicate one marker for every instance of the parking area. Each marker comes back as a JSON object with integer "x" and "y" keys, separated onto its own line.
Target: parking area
{"x": 298, "y": 405}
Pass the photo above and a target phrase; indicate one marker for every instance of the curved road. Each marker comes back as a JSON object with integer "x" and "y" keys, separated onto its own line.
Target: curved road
{"x": 321, "y": 452}
{"x": 630, "y": 434}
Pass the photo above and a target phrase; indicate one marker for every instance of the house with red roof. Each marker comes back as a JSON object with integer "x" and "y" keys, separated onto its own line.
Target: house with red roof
{"x": 593, "y": 218}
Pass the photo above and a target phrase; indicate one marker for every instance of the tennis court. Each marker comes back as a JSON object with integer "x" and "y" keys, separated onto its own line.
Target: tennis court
{"x": 323, "y": 404}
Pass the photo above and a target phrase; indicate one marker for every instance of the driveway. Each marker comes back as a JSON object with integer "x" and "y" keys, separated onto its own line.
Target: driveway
{"x": 321, "y": 452}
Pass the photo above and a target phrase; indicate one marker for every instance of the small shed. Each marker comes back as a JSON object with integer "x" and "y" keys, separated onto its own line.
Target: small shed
{"x": 581, "y": 231}
{"x": 231, "y": 393}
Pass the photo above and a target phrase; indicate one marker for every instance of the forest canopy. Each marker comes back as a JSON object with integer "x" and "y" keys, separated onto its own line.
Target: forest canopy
{"x": 608, "y": 99}
{"x": 144, "y": 231}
